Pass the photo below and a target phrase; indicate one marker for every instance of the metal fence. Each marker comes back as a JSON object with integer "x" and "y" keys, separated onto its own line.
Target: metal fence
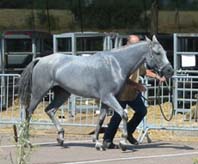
{"x": 81, "y": 111}
{"x": 9, "y": 110}
{"x": 182, "y": 103}
{"x": 77, "y": 111}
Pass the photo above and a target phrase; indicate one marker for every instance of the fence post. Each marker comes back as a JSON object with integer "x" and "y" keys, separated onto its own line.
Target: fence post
{"x": 196, "y": 109}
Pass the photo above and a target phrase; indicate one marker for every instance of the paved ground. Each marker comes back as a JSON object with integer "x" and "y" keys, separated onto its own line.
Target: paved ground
{"x": 47, "y": 151}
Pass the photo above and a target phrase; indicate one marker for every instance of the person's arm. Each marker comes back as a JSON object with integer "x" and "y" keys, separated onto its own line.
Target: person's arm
{"x": 151, "y": 74}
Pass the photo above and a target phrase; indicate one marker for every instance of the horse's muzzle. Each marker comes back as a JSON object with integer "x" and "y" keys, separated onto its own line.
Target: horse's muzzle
{"x": 167, "y": 71}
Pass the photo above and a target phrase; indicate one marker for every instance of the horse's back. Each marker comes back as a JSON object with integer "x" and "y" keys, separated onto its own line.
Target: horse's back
{"x": 82, "y": 75}
{"x": 77, "y": 74}
{"x": 45, "y": 69}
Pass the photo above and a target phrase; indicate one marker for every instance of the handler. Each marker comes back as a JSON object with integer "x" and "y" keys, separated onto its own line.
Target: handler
{"x": 130, "y": 95}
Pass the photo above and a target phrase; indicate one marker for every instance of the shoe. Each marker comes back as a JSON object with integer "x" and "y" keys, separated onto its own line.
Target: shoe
{"x": 132, "y": 140}
{"x": 110, "y": 145}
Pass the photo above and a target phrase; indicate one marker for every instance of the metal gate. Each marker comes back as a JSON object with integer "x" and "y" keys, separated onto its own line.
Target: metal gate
{"x": 185, "y": 90}
{"x": 185, "y": 106}
{"x": 9, "y": 107}
{"x": 79, "y": 111}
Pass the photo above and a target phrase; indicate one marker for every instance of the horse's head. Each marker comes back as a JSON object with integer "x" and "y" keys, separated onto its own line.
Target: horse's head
{"x": 157, "y": 59}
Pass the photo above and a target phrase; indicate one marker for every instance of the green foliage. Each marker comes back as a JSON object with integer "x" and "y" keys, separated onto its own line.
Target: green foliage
{"x": 42, "y": 20}
{"x": 71, "y": 4}
{"x": 108, "y": 14}
{"x": 30, "y": 21}
{"x": 47, "y": 20}
{"x": 96, "y": 14}
{"x": 37, "y": 4}
{"x": 24, "y": 146}
{"x": 15, "y": 4}
{"x": 195, "y": 161}
{"x": 178, "y": 4}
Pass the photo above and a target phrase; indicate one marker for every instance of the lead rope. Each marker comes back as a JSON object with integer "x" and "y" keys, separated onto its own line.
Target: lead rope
{"x": 158, "y": 102}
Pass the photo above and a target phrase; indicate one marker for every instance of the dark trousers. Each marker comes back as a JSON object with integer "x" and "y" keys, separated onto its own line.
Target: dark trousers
{"x": 140, "y": 111}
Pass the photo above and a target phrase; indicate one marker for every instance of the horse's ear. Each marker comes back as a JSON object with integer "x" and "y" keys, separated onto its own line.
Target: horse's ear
{"x": 155, "y": 39}
{"x": 147, "y": 39}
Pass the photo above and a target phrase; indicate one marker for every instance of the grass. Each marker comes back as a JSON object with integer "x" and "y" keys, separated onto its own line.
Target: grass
{"x": 64, "y": 19}
{"x": 188, "y": 21}
{"x": 18, "y": 19}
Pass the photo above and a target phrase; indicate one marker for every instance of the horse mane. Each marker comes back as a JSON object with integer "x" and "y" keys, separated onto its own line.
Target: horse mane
{"x": 125, "y": 47}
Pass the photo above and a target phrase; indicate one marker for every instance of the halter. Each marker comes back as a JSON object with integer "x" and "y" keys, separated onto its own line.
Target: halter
{"x": 163, "y": 67}
{"x": 159, "y": 67}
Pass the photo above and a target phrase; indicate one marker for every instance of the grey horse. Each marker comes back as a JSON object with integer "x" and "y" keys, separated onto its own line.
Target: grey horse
{"x": 99, "y": 76}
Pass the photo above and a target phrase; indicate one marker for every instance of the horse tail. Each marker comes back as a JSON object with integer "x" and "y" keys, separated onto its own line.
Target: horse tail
{"x": 25, "y": 83}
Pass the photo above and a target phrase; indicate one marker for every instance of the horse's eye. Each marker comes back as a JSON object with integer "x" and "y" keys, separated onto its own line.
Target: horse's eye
{"x": 157, "y": 53}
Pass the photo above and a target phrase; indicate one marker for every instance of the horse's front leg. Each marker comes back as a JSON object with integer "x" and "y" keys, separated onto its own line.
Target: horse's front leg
{"x": 112, "y": 102}
{"x": 102, "y": 115}
{"x": 123, "y": 142}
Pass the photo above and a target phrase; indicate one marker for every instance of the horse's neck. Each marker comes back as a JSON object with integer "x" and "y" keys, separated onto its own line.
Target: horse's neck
{"x": 132, "y": 57}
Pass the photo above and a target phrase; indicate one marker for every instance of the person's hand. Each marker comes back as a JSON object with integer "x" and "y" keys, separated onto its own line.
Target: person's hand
{"x": 161, "y": 79}
{"x": 140, "y": 88}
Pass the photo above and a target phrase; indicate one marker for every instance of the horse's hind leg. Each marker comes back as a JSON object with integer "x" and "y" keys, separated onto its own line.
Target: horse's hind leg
{"x": 102, "y": 115}
{"x": 34, "y": 101}
{"x": 60, "y": 96}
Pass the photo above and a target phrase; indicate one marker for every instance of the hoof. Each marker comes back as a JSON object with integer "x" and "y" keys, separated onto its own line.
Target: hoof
{"x": 99, "y": 146}
{"x": 60, "y": 141}
{"x": 123, "y": 146}
{"x": 60, "y": 138}
{"x": 149, "y": 140}
{"x": 93, "y": 139}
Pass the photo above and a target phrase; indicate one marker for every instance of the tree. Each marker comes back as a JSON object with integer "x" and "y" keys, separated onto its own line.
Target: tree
{"x": 111, "y": 14}
{"x": 154, "y": 17}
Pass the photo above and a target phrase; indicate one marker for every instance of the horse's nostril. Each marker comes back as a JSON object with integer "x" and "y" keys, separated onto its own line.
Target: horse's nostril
{"x": 172, "y": 70}
{"x": 168, "y": 71}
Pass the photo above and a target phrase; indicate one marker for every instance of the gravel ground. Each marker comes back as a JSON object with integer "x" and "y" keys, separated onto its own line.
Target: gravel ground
{"x": 79, "y": 149}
